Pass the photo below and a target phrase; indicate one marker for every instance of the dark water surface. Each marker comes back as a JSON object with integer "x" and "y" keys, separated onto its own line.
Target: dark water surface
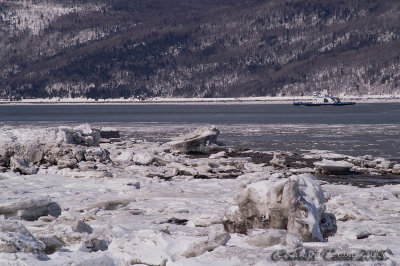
{"x": 355, "y": 130}
{"x": 215, "y": 114}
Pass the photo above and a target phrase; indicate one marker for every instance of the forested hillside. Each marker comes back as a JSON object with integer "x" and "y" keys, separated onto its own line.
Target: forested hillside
{"x": 198, "y": 48}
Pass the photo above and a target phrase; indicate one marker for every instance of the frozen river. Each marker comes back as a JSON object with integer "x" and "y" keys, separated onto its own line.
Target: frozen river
{"x": 139, "y": 202}
{"x": 354, "y": 130}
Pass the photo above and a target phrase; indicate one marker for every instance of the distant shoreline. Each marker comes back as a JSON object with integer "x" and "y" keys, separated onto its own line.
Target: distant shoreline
{"x": 239, "y": 100}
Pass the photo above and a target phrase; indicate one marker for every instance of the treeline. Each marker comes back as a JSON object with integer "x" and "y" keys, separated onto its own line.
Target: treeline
{"x": 137, "y": 48}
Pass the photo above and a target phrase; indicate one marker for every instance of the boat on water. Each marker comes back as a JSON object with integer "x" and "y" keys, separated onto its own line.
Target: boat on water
{"x": 324, "y": 100}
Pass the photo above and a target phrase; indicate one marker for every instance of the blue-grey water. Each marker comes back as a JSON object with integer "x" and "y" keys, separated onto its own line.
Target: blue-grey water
{"x": 216, "y": 114}
{"x": 355, "y": 130}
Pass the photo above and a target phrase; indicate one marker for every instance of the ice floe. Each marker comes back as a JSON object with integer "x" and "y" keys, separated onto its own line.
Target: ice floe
{"x": 295, "y": 204}
{"x": 77, "y": 196}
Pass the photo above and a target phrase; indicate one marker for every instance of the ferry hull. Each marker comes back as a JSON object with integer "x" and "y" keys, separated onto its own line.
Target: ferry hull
{"x": 323, "y": 104}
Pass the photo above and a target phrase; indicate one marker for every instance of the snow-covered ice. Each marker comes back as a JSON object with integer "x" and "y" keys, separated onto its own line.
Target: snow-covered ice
{"x": 125, "y": 202}
{"x": 295, "y": 204}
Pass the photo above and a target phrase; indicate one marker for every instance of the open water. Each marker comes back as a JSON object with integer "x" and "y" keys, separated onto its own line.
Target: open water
{"x": 355, "y": 130}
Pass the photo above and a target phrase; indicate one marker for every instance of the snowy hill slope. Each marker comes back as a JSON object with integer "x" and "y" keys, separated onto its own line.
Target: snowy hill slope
{"x": 121, "y": 48}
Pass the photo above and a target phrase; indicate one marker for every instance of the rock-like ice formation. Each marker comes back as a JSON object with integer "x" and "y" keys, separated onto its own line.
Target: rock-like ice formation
{"x": 14, "y": 237}
{"x": 396, "y": 191}
{"x": 295, "y": 204}
{"x": 202, "y": 140}
{"x": 24, "y": 151}
{"x": 94, "y": 244}
{"x": 124, "y": 157}
{"x": 143, "y": 159}
{"x": 22, "y": 165}
{"x": 396, "y": 169}
{"x": 82, "y": 227}
{"x": 266, "y": 237}
{"x": 81, "y": 135}
{"x": 109, "y": 133}
{"x": 214, "y": 240}
{"x": 52, "y": 243}
{"x": 30, "y": 209}
{"x": 279, "y": 160}
{"x": 333, "y": 167}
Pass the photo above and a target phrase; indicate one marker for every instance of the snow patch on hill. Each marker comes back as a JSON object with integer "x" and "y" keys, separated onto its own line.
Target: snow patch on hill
{"x": 37, "y": 16}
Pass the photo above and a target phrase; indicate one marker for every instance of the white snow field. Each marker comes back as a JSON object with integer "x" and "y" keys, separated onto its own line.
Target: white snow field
{"x": 90, "y": 196}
